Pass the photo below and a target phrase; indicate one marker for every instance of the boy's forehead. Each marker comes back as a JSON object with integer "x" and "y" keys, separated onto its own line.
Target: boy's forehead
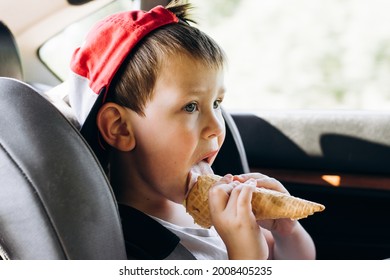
{"x": 187, "y": 66}
{"x": 191, "y": 75}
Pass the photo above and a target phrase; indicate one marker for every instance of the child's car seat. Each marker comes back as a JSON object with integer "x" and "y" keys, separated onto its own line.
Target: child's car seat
{"x": 55, "y": 201}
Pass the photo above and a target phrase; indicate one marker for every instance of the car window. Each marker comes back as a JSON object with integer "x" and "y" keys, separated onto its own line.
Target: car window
{"x": 300, "y": 54}
{"x": 57, "y": 51}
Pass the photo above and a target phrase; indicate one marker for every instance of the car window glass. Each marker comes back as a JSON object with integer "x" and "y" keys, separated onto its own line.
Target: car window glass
{"x": 303, "y": 54}
{"x": 297, "y": 54}
{"x": 57, "y": 51}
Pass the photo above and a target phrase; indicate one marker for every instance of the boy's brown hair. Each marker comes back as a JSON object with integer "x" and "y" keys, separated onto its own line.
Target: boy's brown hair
{"x": 121, "y": 58}
{"x": 133, "y": 84}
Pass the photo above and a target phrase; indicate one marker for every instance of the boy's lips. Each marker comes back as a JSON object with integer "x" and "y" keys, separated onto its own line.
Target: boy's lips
{"x": 209, "y": 157}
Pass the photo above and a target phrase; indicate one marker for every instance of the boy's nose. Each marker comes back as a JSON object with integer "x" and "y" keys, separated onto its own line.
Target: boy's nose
{"x": 215, "y": 126}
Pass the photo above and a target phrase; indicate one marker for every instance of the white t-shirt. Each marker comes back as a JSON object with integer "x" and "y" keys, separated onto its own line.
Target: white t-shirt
{"x": 204, "y": 244}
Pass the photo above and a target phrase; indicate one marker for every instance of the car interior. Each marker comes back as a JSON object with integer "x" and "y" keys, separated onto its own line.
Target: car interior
{"x": 11, "y": 65}
{"x": 57, "y": 203}
{"x": 332, "y": 161}
{"x": 56, "y": 200}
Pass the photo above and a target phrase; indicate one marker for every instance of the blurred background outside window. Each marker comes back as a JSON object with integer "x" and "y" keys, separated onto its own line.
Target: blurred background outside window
{"x": 295, "y": 54}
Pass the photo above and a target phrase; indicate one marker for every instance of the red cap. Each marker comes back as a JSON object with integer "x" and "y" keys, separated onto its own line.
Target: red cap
{"x": 95, "y": 63}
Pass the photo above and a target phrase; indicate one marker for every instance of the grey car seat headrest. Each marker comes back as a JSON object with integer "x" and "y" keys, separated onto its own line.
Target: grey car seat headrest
{"x": 55, "y": 201}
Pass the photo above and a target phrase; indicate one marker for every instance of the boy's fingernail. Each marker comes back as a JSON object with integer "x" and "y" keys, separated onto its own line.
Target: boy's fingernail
{"x": 228, "y": 178}
{"x": 238, "y": 177}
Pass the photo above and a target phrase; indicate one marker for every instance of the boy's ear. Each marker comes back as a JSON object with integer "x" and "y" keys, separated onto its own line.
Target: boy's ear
{"x": 115, "y": 127}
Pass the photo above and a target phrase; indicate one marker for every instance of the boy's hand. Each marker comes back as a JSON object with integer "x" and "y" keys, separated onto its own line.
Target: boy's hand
{"x": 232, "y": 217}
{"x": 279, "y": 226}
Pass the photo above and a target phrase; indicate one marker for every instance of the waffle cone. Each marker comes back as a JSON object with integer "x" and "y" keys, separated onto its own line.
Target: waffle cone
{"x": 266, "y": 204}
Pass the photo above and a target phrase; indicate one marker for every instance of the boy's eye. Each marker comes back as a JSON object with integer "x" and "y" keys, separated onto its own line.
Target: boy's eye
{"x": 217, "y": 104}
{"x": 190, "y": 108}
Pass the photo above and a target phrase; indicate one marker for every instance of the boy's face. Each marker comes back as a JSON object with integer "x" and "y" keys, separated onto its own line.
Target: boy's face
{"x": 182, "y": 126}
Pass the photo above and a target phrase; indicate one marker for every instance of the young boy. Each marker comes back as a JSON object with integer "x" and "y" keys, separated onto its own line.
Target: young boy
{"x": 146, "y": 89}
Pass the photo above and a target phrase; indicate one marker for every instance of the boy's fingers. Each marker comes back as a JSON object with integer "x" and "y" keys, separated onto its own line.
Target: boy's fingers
{"x": 244, "y": 205}
{"x": 232, "y": 196}
{"x": 263, "y": 181}
{"x": 272, "y": 184}
{"x": 219, "y": 193}
{"x": 225, "y": 179}
{"x": 219, "y": 196}
{"x": 245, "y": 177}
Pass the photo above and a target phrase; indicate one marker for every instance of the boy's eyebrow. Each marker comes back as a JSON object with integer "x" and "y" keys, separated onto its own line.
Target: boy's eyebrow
{"x": 194, "y": 90}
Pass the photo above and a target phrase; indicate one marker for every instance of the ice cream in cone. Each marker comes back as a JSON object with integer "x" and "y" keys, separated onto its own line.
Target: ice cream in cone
{"x": 266, "y": 204}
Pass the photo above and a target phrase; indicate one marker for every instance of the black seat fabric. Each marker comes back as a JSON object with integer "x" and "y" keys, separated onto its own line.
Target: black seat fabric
{"x": 55, "y": 201}
{"x": 10, "y": 63}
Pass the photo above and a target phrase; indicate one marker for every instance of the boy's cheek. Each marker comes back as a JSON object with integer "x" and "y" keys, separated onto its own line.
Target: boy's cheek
{"x": 221, "y": 139}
